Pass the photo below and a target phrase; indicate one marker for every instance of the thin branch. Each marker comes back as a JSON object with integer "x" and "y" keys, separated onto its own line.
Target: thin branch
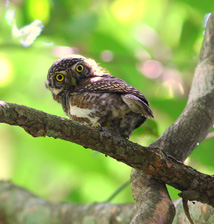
{"x": 200, "y": 213}
{"x": 122, "y": 187}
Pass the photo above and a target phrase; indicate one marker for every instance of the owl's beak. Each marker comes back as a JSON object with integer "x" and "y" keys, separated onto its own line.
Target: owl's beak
{"x": 47, "y": 84}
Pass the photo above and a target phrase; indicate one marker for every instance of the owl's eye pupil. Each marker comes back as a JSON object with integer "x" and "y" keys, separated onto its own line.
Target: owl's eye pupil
{"x": 79, "y": 68}
{"x": 59, "y": 77}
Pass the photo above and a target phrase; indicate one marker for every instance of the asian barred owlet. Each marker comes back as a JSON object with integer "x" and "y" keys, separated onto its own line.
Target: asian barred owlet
{"x": 90, "y": 95}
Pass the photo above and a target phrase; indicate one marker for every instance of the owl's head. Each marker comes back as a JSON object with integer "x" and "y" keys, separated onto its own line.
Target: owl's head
{"x": 66, "y": 72}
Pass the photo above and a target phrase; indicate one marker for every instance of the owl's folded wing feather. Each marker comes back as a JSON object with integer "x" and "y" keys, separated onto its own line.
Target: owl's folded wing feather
{"x": 137, "y": 105}
{"x": 135, "y": 100}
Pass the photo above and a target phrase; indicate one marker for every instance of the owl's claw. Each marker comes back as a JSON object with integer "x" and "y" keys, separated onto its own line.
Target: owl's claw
{"x": 103, "y": 131}
{"x": 97, "y": 125}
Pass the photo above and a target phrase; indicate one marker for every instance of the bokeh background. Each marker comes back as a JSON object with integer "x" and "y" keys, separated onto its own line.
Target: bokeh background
{"x": 152, "y": 44}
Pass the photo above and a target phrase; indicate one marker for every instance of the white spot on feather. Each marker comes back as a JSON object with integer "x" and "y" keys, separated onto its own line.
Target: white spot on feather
{"x": 56, "y": 91}
{"x": 84, "y": 113}
{"x": 95, "y": 79}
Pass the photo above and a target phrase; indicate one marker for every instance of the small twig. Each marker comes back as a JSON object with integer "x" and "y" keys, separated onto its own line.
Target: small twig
{"x": 122, "y": 187}
{"x": 186, "y": 210}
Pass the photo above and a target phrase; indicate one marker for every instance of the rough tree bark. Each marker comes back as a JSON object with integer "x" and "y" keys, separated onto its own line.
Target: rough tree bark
{"x": 152, "y": 200}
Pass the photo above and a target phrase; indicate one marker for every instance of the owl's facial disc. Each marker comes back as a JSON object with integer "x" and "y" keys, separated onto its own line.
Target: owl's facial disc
{"x": 55, "y": 91}
{"x": 56, "y": 82}
{"x": 65, "y": 74}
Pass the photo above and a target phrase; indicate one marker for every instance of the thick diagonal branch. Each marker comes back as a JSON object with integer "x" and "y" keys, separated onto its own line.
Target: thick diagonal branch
{"x": 192, "y": 126}
{"x": 197, "y": 119}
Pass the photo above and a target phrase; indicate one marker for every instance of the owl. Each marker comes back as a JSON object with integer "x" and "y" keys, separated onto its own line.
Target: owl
{"x": 89, "y": 95}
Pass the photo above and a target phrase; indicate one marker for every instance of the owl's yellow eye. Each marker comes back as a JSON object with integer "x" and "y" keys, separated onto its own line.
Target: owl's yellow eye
{"x": 79, "y": 68}
{"x": 60, "y": 77}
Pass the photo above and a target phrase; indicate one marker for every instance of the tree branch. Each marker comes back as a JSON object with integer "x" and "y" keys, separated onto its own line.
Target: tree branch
{"x": 152, "y": 200}
{"x": 20, "y": 206}
{"x": 180, "y": 139}
{"x": 149, "y": 160}
{"x": 197, "y": 119}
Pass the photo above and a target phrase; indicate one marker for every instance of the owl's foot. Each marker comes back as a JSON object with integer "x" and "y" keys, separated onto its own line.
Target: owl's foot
{"x": 117, "y": 132}
{"x": 103, "y": 130}
{"x": 110, "y": 129}
{"x": 97, "y": 125}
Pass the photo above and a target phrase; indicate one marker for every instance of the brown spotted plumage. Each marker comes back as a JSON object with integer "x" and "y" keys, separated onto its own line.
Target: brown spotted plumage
{"x": 89, "y": 95}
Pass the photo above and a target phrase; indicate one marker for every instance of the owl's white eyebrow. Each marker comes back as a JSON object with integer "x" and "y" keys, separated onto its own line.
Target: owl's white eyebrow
{"x": 73, "y": 66}
{"x": 61, "y": 72}
{"x": 95, "y": 79}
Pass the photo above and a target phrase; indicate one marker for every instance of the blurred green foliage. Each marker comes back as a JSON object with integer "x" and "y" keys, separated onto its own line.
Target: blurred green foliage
{"x": 153, "y": 45}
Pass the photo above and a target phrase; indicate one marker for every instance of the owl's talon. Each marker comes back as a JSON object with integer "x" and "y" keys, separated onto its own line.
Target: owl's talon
{"x": 97, "y": 125}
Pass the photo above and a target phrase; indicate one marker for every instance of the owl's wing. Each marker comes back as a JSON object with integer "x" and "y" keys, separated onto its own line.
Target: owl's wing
{"x": 135, "y": 100}
{"x": 137, "y": 105}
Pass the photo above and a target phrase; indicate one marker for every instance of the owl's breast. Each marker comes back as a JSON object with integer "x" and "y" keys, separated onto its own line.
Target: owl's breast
{"x": 95, "y": 107}
{"x": 85, "y": 107}
{"x": 106, "y": 109}
{"x": 82, "y": 115}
